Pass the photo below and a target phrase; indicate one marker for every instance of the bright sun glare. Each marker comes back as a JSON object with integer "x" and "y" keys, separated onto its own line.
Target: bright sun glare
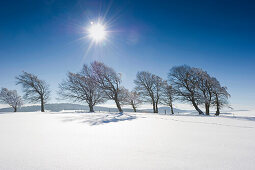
{"x": 97, "y": 32}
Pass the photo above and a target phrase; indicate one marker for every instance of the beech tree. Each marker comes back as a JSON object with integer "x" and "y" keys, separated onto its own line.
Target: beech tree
{"x": 82, "y": 87}
{"x": 11, "y": 98}
{"x": 134, "y": 99}
{"x": 35, "y": 90}
{"x": 185, "y": 82}
{"x": 205, "y": 84}
{"x": 211, "y": 91}
{"x": 109, "y": 81}
{"x": 150, "y": 87}
{"x": 169, "y": 96}
{"x": 221, "y": 96}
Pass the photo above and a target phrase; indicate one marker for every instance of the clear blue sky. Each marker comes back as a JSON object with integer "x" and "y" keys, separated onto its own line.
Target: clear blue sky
{"x": 45, "y": 38}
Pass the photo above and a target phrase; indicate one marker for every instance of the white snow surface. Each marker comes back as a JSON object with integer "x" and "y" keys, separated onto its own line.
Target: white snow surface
{"x": 64, "y": 141}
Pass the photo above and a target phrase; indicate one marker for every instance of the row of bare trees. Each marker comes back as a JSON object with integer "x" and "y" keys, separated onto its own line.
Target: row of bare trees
{"x": 195, "y": 86}
{"x": 96, "y": 83}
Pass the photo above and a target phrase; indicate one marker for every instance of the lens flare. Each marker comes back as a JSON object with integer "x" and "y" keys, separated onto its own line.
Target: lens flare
{"x": 97, "y": 32}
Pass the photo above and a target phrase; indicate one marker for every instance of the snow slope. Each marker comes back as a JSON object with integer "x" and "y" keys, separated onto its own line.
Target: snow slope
{"x": 35, "y": 140}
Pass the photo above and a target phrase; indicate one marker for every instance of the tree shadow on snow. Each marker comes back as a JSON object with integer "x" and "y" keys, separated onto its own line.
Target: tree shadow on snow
{"x": 98, "y": 119}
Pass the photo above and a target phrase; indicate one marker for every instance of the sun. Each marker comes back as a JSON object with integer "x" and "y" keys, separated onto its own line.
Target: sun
{"x": 97, "y": 32}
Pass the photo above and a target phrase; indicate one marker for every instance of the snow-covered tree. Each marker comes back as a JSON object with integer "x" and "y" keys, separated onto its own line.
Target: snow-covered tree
{"x": 134, "y": 99}
{"x": 35, "y": 90}
{"x": 82, "y": 87}
{"x": 150, "y": 87}
{"x": 11, "y": 98}
{"x": 123, "y": 96}
{"x": 109, "y": 81}
{"x": 205, "y": 85}
{"x": 185, "y": 82}
{"x": 198, "y": 87}
{"x": 221, "y": 95}
{"x": 169, "y": 96}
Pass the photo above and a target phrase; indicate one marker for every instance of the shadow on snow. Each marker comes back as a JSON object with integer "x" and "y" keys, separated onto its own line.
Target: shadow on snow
{"x": 98, "y": 119}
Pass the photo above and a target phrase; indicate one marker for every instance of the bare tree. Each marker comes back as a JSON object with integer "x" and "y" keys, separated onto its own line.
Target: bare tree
{"x": 82, "y": 87}
{"x": 123, "y": 96}
{"x": 185, "y": 82}
{"x": 109, "y": 81}
{"x": 205, "y": 85}
{"x": 221, "y": 96}
{"x": 11, "y": 98}
{"x": 134, "y": 99}
{"x": 150, "y": 87}
{"x": 168, "y": 96}
{"x": 35, "y": 90}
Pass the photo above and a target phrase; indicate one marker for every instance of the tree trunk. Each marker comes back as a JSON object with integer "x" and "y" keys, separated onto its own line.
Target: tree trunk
{"x": 154, "y": 107}
{"x": 134, "y": 107}
{"x": 196, "y": 107}
{"x": 207, "y": 109}
{"x": 42, "y": 105}
{"x": 218, "y": 106}
{"x": 217, "y": 112}
{"x": 171, "y": 107}
{"x": 118, "y": 106}
{"x": 91, "y": 109}
{"x": 15, "y": 109}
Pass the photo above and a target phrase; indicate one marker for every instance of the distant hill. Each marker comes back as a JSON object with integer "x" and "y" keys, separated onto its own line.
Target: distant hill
{"x": 57, "y": 108}
{"x": 68, "y": 106}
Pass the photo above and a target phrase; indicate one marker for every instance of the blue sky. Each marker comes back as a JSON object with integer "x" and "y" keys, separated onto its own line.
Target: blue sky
{"x": 47, "y": 39}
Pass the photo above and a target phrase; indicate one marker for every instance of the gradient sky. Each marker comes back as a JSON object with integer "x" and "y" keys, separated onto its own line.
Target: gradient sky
{"x": 47, "y": 38}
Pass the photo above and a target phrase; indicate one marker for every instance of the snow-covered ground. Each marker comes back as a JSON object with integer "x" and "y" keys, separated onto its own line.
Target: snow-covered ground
{"x": 35, "y": 140}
